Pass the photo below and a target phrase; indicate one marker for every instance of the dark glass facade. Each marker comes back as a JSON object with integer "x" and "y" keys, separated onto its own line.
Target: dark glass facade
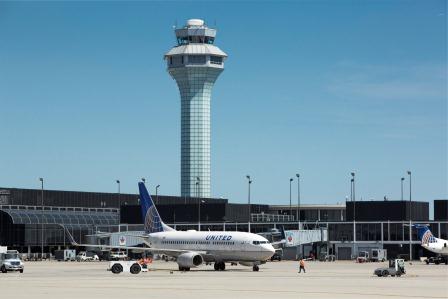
{"x": 387, "y": 211}
{"x": 441, "y": 209}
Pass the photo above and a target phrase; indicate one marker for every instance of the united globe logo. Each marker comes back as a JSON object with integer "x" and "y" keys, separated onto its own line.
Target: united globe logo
{"x": 152, "y": 221}
{"x": 428, "y": 237}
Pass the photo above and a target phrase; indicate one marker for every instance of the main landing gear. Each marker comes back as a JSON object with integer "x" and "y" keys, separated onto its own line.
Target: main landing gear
{"x": 183, "y": 268}
{"x": 220, "y": 266}
{"x": 255, "y": 268}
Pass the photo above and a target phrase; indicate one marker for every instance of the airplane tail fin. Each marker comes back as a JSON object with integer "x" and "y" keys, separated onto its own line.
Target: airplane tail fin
{"x": 151, "y": 218}
{"x": 283, "y": 232}
{"x": 424, "y": 234}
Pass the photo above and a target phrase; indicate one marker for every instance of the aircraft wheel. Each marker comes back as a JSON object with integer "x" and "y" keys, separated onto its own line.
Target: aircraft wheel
{"x": 117, "y": 268}
{"x": 437, "y": 262}
{"x": 255, "y": 268}
{"x": 135, "y": 269}
{"x": 222, "y": 266}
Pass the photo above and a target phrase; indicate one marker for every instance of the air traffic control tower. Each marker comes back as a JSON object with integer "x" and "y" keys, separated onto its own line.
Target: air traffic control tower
{"x": 195, "y": 63}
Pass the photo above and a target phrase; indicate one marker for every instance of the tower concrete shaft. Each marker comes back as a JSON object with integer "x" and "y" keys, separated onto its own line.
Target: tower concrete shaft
{"x": 195, "y": 63}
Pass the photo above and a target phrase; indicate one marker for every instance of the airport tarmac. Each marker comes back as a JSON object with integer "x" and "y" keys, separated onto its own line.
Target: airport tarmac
{"x": 322, "y": 280}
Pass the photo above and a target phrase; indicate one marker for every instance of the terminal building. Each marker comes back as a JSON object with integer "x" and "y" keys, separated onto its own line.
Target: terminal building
{"x": 32, "y": 220}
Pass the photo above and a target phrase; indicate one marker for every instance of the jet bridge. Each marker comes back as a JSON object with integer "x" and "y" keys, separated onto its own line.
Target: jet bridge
{"x": 305, "y": 236}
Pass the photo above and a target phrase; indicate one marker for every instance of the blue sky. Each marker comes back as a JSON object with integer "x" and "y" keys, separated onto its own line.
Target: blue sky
{"x": 316, "y": 87}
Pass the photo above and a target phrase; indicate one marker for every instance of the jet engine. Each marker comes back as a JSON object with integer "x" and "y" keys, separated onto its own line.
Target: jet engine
{"x": 189, "y": 259}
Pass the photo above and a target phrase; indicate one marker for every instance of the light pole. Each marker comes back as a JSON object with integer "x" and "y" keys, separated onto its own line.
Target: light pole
{"x": 157, "y": 193}
{"x": 249, "y": 181}
{"x": 410, "y": 215}
{"x": 199, "y": 203}
{"x": 42, "y": 211}
{"x": 119, "y": 204}
{"x": 354, "y": 211}
{"x": 290, "y": 198}
{"x": 298, "y": 198}
{"x": 402, "y": 179}
{"x": 353, "y": 181}
{"x": 351, "y": 189}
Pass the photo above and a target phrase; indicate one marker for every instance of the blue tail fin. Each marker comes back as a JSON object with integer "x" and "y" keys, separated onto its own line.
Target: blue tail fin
{"x": 151, "y": 218}
{"x": 424, "y": 234}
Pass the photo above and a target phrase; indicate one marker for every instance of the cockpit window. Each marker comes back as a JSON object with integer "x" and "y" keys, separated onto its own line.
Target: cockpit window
{"x": 259, "y": 242}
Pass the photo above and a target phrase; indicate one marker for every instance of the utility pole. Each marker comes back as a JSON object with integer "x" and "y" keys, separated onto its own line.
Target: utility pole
{"x": 199, "y": 203}
{"x": 119, "y": 205}
{"x": 157, "y": 194}
{"x": 42, "y": 224}
{"x": 298, "y": 199}
{"x": 249, "y": 181}
{"x": 402, "y": 179}
{"x": 410, "y": 215}
{"x": 290, "y": 199}
{"x": 354, "y": 212}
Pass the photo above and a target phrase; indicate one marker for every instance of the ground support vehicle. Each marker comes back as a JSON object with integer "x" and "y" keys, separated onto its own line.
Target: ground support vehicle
{"x": 396, "y": 268}
{"x": 363, "y": 257}
{"x": 277, "y": 255}
{"x": 132, "y": 267}
{"x": 10, "y": 261}
{"x": 65, "y": 255}
{"x": 87, "y": 256}
{"x": 437, "y": 260}
{"x": 378, "y": 255}
{"x": 118, "y": 255}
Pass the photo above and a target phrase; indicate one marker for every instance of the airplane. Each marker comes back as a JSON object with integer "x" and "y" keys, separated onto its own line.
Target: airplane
{"x": 193, "y": 248}
{"x": 429, "y": 242}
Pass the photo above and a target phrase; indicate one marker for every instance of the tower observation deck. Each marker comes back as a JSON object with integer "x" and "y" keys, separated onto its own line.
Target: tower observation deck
{"x": 195, "y": 63}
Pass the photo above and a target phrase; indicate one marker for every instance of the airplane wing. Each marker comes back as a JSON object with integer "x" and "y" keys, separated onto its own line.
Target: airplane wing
{"x": 106, "y": 235}
{"x": 169, "y": 252}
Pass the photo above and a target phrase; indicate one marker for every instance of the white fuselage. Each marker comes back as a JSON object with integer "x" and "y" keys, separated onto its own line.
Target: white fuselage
{"x": 440, "y": 246}
{"x": 215, "y": 246}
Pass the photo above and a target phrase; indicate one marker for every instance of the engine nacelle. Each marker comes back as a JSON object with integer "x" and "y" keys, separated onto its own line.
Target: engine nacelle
{"x": 189, "y": 259}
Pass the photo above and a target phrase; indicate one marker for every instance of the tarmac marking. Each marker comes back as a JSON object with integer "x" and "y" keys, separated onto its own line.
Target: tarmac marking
{"x": 171, "y": 288}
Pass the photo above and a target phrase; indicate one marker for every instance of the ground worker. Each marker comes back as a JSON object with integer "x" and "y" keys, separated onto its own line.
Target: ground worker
{"x": 302, "y": 266}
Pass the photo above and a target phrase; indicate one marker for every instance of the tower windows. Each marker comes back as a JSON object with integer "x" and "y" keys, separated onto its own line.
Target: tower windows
{"x": 196, "y": 59}
{"x": 215, "y": 59}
